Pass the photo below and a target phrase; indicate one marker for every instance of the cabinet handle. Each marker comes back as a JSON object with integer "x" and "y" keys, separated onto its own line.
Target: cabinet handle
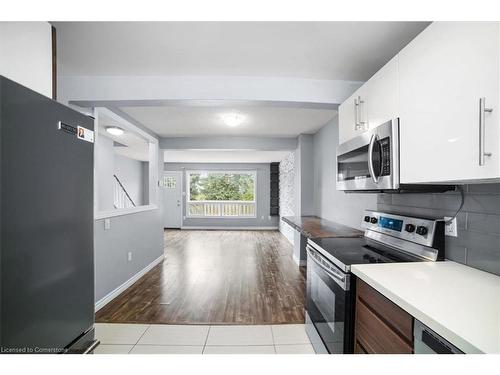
{"x": 361, "y": 124}
{"x": 482, "y": 129}
{"x": 356, "y": 124}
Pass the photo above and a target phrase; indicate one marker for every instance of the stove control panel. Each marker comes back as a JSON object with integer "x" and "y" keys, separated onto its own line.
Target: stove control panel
{"x": 419, "y": 230}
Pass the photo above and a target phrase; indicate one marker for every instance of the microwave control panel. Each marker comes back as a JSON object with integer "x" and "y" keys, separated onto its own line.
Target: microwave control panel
{"x": 385, "y": 149}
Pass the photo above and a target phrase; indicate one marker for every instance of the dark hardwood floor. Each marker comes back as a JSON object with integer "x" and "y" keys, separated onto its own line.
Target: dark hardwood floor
{"x": 216, "y": 277}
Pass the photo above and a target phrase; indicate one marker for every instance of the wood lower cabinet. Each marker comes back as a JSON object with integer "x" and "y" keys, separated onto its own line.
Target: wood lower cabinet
{"x": 381, "y": 327}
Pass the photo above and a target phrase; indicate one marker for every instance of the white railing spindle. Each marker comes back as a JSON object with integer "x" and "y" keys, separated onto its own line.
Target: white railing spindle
{"x": 227, "y": 209}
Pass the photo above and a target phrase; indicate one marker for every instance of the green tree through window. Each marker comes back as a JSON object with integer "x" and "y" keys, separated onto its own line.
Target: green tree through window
{"x": 221, "y": 186}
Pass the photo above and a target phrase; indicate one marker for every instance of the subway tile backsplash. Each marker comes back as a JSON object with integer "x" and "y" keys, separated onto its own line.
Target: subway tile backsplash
{"x": 478, "y": 241}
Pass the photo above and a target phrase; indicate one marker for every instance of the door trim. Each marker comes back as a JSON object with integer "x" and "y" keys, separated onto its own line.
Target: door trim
{"x": 181, "y": 180}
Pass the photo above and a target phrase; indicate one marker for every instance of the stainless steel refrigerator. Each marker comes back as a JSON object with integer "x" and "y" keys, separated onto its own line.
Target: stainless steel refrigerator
{"x": 46, "y": 224}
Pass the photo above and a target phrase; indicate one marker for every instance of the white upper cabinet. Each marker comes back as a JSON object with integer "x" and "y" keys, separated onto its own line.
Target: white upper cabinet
{"x": 443, "y": 74}
{"x": 382, "y": 95}
{"x": 372, "y": 104}
{"x": 352, "y": 115}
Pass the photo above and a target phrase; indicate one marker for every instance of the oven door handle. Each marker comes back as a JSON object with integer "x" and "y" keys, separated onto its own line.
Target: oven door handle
{"x": 337, "y": 277}
{"x": 371, "y": 169}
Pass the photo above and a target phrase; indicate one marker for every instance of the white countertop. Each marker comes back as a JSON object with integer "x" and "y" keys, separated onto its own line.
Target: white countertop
{"x": 460, "y": 303}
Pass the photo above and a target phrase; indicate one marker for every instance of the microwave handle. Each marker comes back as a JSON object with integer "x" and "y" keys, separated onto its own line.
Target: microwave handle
{"x": 371, "y": 169}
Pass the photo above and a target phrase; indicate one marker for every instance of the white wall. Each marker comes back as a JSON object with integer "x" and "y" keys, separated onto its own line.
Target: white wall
{"x": 130, "y": 174}
{"x": 26, "y": 54}
{"x": 329, "y": 203}
{"x": 287, "y": 195}
{"x": 205, "y": 88}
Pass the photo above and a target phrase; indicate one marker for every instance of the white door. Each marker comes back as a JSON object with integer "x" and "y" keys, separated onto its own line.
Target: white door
{"x": 443, "y": 73}
{"x": 172, "y": 199}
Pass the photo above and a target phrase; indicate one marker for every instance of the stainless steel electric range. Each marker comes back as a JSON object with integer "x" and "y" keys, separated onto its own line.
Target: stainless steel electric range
{"x": 331, "y": 286}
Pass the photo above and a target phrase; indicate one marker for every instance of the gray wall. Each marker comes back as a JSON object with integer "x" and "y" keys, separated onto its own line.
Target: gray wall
{"x": 104, "y": 162}
{"x": 478, "y": 241}
{"x": 263, "y": 195}
{"x": 234, "y": 142}
{"x": 329, "y": 203}
{"x": 140, "y": 233}
{"x": 304, "y": 176}
{"x": 145, "y": 182}
{"x": 130, "y": 173}
{"x": 133, "y": 175}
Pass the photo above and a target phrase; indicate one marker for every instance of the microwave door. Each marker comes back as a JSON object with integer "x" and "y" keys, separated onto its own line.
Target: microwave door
{"x": 370, "y": 162}
{"x": 353, "y": 170}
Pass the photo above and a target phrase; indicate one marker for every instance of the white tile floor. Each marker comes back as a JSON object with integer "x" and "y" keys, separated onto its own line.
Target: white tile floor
{"x": 192, "y": 339}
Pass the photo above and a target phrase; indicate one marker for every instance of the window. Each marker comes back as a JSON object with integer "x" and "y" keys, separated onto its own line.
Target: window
{"x": 221, "y": 194}
{"x": 169, "y": 182}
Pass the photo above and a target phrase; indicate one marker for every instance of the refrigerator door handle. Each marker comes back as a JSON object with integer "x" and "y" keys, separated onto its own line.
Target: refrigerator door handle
{"x": 92, "y": 347}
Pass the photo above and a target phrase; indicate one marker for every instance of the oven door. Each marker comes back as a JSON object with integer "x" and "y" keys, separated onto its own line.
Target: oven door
{"x": 370, "y": 162}
{"x": 329, "y": 304}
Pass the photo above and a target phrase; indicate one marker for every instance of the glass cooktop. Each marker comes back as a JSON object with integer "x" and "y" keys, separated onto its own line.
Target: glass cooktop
{"x": 345, "y": 252}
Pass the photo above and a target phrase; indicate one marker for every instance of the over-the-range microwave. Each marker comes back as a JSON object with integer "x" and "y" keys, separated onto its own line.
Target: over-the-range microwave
{"x": 369, "y": 163}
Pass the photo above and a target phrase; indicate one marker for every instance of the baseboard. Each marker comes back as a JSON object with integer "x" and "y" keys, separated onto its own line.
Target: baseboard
{"x": 300, "y": 263}
{"x": 116, "y": 292}
{"x": 228, "y": 228}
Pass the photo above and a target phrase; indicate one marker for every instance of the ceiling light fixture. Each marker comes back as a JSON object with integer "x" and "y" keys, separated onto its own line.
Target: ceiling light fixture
{"x": 233, "y": 119}
{"x": 114, "y": 130}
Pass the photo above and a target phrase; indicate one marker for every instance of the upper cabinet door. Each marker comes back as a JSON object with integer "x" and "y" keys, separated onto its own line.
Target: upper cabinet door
{"x": 443, "y": 74}
{"x": 382, "y": 95}
{"x": 373, "y": 104}
{"x": 353, "y": 115}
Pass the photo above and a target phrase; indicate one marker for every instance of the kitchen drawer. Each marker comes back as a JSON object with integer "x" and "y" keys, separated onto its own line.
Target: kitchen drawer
{"x": 392, "y": 315}
{"x": 375, "y": 335}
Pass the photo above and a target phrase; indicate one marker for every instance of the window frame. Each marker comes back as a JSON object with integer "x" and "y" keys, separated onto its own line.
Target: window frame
{"x": 221, "y": 171}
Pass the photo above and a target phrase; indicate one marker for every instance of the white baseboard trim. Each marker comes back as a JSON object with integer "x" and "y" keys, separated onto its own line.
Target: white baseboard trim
{"x": 113, "y": 294}
{"x": 300, "y": 263}
{"x": 228, "y": 228}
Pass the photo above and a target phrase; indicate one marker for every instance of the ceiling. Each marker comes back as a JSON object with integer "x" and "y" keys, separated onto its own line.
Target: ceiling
{"x": 128, "y": 144}
{"x": 351, "y": 51}
{"x": 229, "y": 156}
{"x": 318, "y": 50}
{"x": 184, "y": 121}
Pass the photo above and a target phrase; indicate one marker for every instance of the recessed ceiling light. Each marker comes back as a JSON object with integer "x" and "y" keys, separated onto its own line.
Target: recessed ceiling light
{"x": 233, "y": 119}
{"x": 114, "y": 130}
